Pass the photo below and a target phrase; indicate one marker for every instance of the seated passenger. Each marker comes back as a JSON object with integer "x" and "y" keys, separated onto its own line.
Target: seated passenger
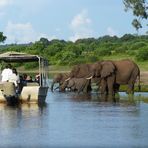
{"x": 24, "y": 77}
{"x": 29, "y": 79}
{"x": 6, "y": 73}
{"x": 14, "y": 77}
{"x": 37, "y": 78}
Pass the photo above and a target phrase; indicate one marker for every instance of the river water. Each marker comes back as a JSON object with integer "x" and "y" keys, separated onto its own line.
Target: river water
{"x": 77, "y": 120}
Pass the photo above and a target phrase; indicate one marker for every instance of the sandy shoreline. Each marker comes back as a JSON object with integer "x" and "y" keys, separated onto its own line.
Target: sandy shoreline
{"x": 144, "y": 77}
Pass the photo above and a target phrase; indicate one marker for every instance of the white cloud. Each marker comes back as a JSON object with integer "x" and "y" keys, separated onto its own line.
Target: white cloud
{"x": 4, "y": 3}
{"x": 81, "y": 26}
{"x": 80, "y": 20}
{"x": 22, "y": 33}
{"x": 111, "y": 31}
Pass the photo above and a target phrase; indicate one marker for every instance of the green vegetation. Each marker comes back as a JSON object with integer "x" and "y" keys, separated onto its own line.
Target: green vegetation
{"x": 139, "y": 9}
{"x": 2, "y": 37}
{"x": 66, "y": 53}
{"x": 144, "y": 88}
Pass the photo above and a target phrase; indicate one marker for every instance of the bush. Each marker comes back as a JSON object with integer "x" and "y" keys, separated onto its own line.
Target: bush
{"x": 80, "y": 60}
{"x": 142, "y": 55}
{"x": 121, "y": 49}
{"x": 91, "y": 58}
{"x": 32, "y": 65}
{"x": 131, "y": 52}
{"x": 102, "y": 51}
{"x": 137, "y": 45}
{"x": 64, "y": 58}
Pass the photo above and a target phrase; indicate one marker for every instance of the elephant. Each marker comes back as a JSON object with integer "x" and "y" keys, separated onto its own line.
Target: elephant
{"x": 82, "y": 70}
{"x": 59, "y": 78}
{"x": 76, "y": 84}
{"x": 126, "y": 73}
{"x": 112, "y": 74}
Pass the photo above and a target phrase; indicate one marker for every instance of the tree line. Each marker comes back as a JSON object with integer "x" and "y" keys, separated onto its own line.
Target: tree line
{"x": 61, "y": 52}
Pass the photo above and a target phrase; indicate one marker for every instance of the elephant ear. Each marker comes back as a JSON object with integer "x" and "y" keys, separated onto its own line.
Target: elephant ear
{"x": 107, "y": 69}
{"x": 71, "y": 82}
{"x": 74, "y": 71}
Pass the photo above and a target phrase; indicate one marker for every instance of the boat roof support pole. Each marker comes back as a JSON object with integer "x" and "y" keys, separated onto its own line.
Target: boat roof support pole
{"x": 40, "y": 71}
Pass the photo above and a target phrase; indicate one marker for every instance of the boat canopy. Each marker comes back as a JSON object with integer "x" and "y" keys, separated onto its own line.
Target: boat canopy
{"x": 18, "y": 57}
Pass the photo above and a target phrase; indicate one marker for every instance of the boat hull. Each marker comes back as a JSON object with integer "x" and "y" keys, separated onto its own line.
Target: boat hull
{"x": 29, "y": 94}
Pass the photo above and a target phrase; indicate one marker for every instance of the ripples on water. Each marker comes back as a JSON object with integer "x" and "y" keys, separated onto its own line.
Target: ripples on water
{"x": 72, "y": 120}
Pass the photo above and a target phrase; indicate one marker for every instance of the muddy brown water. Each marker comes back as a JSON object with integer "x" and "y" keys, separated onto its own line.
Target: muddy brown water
{"x": 77, "y": 120}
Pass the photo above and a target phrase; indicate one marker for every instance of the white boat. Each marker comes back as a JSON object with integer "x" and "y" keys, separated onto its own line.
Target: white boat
{"x": 31, "y": 92}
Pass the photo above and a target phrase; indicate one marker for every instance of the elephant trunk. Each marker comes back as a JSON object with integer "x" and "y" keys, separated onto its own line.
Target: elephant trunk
{"x": 52, "y": 85}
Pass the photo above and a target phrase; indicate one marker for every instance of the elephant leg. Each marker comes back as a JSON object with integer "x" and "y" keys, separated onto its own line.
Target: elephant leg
{"x": 116, "y": 87}
{"x": 130, "y": 88}
{"x": 110, "y": 84}
{"x": 132, "y": 81}
{"x": 88, "y": 86}
{"x": 103, "y": 86}
{"x": 131, "y": 85}
{"x": 84, "y": 87}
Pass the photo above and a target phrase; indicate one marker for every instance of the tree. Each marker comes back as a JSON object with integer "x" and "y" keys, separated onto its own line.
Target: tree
{"x": 44, "y": 41}
{"x": 139, "y": 9}
{"x": 2, "y": 37}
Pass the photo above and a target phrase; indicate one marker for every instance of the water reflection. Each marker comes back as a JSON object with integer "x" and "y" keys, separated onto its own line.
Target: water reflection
{"x": 13, "y": 116}
{"x": 101, "y": 118}
{"x": 119, "y": 98}
{"x": 77, "y": 120}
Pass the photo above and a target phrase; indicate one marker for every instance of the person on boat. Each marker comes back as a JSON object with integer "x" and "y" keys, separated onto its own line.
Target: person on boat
{"x": 37, "y": 78}
{"x": 23, "y": 79}
{"x": 7, "y": 71}
{"x": 24, "y": 76}
{"x": 14, "y": 77}
{"x": 29, "y": 79}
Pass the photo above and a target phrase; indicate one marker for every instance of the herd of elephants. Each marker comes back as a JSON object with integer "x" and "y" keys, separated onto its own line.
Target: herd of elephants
{"x": 108, "y": 76}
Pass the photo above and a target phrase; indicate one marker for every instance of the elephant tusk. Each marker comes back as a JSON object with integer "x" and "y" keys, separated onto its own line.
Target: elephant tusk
{"x": 89, "y": 78}
{"x": 67, "y": 79}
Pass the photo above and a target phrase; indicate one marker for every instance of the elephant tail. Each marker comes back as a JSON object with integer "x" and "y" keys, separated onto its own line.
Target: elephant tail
{"x": 139, "y": 86}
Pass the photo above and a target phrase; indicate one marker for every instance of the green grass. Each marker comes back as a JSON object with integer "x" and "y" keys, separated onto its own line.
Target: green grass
{"x": 143, "y": 65}
{"x": 118, "y": 57}
{"x": 59, "y": 68}
{"x": 144, "y": 88}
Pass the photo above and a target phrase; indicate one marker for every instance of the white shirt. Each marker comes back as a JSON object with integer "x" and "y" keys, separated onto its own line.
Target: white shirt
{"x": 6, "y": 74}
{"x": 14, "y": 78}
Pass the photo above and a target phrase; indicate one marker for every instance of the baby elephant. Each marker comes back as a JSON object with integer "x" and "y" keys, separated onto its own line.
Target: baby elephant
{"x": 76, "y": 84}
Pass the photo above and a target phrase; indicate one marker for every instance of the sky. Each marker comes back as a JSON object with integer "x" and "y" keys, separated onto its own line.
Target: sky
{"x": 24, "y": 21}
